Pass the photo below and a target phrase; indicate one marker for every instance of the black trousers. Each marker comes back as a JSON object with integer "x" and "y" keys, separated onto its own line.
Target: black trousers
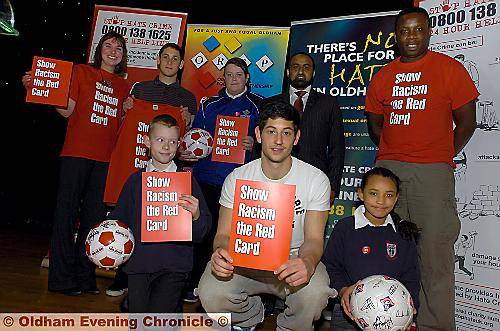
{"x": 80, "y": 196}
{"x": 202, "y": 252}
{"x": 340, "y": 321}
{"x": 159, "y": 292}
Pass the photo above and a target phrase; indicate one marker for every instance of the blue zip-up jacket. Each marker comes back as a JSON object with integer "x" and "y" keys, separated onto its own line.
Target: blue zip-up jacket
{"x": 205, "y": 170}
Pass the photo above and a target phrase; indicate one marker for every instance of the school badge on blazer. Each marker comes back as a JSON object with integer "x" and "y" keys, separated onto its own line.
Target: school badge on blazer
{"x": 391, "y": 250}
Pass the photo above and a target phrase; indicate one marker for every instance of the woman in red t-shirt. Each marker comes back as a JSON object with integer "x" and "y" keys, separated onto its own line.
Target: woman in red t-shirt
{"x": 94, "y": 110}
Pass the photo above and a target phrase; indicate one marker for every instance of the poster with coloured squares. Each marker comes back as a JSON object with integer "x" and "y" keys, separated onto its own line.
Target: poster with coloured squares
{"x": 208, "y": 47}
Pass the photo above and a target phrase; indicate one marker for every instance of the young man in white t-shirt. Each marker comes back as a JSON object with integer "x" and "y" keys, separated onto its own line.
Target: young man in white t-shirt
{"x": 302, "y": 281}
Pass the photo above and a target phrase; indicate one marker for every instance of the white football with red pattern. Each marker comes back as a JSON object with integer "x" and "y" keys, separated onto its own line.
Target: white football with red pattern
{"x": 109, "y": 244}
{"x": 198, "y": 142}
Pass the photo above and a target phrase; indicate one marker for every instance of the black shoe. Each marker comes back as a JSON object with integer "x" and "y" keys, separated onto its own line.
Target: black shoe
{"x": 92, "y": 290}
{"x": 191, "y": 297}
{"x": 268, "y": 302}
{"x": 74, "y": 291}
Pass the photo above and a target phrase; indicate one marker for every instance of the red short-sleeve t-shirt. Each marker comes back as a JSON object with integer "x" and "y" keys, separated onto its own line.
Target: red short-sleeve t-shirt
{"x": 417, "y": 100}
{"x": 93, "y": 125}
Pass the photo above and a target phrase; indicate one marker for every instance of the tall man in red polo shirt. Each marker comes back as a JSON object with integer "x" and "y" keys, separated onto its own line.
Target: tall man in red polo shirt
{"x": 412, "y": 104}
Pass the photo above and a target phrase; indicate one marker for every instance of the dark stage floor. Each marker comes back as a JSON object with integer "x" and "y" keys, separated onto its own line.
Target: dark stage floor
{"x": 23, "y": 283}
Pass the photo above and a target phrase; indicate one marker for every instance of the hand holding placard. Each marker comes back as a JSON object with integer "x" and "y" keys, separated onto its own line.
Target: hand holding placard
{"x": 296, "y": 271}
{"x": 221, "y": 263}
{"x": 50, "y": 82}
{"x": 162, "y": 219}
{"x": 229, "y": 133}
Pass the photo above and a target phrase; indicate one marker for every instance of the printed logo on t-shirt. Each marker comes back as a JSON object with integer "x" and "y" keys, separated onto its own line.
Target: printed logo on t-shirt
{"x": 105, "y": 104}
{"x": 299, "y": 209}
{"x": 245, "y": 113}
{"x": 407, "y": 97}
{"x": 366, "y": 250}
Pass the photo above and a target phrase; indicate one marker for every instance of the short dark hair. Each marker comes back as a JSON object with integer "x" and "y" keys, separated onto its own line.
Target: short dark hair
{"x": 121, "y": 68}
{"x": 409, "y": 10}
{"x": 302, "y": 53}
{"x": 174, "y": 46}
{"x": 165, "y": 120}
{"x": 278, "y": 109}
{"x": 239, "y": 63}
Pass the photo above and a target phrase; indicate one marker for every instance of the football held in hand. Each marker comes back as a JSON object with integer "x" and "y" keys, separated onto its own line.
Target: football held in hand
{"x": 198, "y": 142}
{"x": 109, "y": 244}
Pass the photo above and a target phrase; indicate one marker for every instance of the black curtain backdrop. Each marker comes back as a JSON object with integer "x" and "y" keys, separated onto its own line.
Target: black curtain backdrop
{"x": 32, "y": 135}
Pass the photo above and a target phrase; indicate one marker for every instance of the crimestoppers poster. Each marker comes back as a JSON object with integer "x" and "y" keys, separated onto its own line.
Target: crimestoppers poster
{"x": 145, "y": 32}
{"x": 261, "y": 228}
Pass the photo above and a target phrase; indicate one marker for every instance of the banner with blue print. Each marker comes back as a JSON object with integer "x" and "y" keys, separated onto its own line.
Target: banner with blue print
{"x": 347, "y": 52}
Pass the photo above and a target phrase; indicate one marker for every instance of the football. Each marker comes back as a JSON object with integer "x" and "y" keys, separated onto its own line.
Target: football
{"x": 109, "y": 244}
{"x": 381, "y": 303}
{"x": 198, "y": 142}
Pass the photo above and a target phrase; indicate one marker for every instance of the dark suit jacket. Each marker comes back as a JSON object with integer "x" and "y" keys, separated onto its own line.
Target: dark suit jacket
{"x": 321, "y": 140}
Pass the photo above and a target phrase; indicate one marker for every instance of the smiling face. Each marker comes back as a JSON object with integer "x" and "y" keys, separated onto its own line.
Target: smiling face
{"x": 112, "y": 54}
{"x": 169, "y": 63}
{"x": 379, "y": 196}
{"x": 235, "y": 79}
{"x": 412, "y": 36}
{"x": 277, "y": 138}
{"x": 162, "y": 142}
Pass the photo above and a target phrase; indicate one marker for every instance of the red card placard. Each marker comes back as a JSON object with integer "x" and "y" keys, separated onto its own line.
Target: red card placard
{"x": 162, "y": 217}
{"x": 50, "y": 81}
{"x": 261, "y": 228}
{"x": 229, "y": 132}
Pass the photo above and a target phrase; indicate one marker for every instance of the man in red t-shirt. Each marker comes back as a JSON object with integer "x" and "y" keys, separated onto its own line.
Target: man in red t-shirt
{"x": 412, "y": 104}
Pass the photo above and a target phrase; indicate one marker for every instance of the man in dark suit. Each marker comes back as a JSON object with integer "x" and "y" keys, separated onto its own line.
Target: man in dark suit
{"x": 321, "y": 142}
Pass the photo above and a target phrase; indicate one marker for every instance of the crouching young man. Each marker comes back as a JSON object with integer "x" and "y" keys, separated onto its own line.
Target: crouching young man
{"x": 302, "y": 281}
